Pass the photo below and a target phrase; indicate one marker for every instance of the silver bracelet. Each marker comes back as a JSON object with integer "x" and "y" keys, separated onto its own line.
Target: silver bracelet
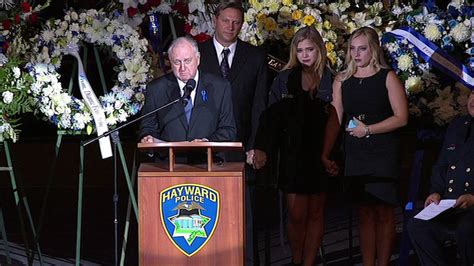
{"x": 367, "y": 131}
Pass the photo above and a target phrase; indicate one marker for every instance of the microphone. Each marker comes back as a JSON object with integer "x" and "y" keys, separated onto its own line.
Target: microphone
{"x": 188, "y": 88}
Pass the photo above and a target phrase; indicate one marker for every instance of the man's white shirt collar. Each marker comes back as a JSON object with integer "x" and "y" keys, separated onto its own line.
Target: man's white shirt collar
{"x": 220, "y": 48}
{"x": 181, "y": 85}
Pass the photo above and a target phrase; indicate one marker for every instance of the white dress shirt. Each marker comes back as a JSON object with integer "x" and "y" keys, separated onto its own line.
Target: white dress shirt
{"x": 220, "y": 48}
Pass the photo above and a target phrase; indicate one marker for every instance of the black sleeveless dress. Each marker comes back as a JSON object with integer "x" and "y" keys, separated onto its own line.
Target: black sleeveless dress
{"x": 372, "y": 163}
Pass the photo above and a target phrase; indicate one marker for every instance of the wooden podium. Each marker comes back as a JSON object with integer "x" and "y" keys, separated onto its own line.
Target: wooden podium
{"x": 191, "y": 214}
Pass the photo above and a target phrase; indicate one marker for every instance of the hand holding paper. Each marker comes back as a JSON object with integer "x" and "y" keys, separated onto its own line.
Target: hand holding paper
{"x": 433, "y": 210}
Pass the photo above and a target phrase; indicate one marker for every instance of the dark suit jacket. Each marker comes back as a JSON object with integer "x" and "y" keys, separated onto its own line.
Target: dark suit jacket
{"x": 211, "y": 117}
{"x": 453, "y": 174}
{"x": 248, "y": 77}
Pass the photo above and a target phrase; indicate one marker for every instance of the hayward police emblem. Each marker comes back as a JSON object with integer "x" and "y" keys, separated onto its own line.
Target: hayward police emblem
{"x": 189, "y": 213}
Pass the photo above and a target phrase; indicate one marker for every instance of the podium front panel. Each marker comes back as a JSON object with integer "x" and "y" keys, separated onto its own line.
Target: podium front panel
{"x": 191, "y": 216}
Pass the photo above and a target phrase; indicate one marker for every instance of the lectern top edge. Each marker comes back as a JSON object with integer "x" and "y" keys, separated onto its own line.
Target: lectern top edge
{"x": 189, "y": 144}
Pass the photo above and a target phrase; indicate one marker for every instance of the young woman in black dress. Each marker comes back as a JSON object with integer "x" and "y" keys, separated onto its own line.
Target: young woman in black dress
{"x": 374, "y": 98}
{"x": 299, "y": 107}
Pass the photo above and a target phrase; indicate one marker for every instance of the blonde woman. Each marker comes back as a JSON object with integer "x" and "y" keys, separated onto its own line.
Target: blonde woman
{"x": 299, "y": 108}
{"x": 374, "y": 103}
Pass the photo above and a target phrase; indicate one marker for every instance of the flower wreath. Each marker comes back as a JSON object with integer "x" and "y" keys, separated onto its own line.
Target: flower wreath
{"x": 126, "y": 97}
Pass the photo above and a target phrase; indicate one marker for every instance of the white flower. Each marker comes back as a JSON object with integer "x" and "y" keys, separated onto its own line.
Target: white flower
{"x": 163, "y": 8}
{"x": 405, "y": 62}
{"x": 7, "y": 97}
{"x": 460, "y": 32}
{"x": 3, "y": 59}
{"x": 413, "y": 84}
{"x": 432, "y": 32}
{"x": 6, "y": 4}
{"x": 16, "y": 72}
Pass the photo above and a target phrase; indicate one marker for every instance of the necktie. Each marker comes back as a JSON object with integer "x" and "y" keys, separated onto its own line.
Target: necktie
{"x": 225, "y": 63}
{"x": 188, "y": 108}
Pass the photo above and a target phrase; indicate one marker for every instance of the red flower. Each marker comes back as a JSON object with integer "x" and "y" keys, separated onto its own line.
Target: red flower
{"x": 5, "y": 46}
{"x": 202, "y": 37}
{"x": 187, "y": 28}
{"x": 33, "y": 18}
{"x": 181, "y": 7}
{"x": 131, "y": 11}
{"x": 6, "y": 24}
{"x": 25, "y": 6}
{"x": 17, "y": 19}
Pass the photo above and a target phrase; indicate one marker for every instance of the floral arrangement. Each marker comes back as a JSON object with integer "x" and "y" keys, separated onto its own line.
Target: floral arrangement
{"x": 125, "y": 98}
{"x": 433, "y": 97}
{"x": 277, "y": 21}
{"x": 14, "y": 98}
{"x": 195, "y": 14}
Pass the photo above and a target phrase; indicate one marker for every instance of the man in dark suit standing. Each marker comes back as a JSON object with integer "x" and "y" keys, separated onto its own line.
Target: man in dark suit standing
{"x": 452, "y": 178}
{"x": 244, "y": 65}
{"x": 206, "y": 116}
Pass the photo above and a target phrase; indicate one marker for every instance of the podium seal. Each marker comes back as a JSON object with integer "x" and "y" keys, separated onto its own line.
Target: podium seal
{"x": 189, "y": 214}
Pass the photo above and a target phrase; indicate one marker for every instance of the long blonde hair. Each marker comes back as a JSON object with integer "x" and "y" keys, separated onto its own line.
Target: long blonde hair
{"x": 377, "y": 60}
{"x": 309, "y": 33}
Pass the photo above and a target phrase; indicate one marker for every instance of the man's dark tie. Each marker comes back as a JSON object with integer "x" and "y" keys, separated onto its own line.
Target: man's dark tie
{"x": 225, "y": 63}
{"x": 188, "y": 108}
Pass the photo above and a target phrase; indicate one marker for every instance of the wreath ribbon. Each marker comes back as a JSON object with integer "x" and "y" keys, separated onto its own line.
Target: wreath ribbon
{"x": 434, "y": 55}
{"x": 92, "y": 103}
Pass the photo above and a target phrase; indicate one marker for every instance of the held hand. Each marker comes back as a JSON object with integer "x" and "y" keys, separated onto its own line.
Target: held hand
{"x": 434, "y": 197}
{"x": 358, "y": 131}
{"x": 464, "y": 201}
{"x": 331, "y": 166}
{"x": 259, "y": 159}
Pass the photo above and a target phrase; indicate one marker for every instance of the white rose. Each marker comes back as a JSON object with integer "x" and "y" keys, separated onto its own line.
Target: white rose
{"x": 7, "y": 97}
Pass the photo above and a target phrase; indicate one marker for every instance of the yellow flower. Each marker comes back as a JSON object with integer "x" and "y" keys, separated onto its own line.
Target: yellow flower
{"x": 270, "y": 24}
{"x": 287, "y": 2}
{"x": 327, "y": 25}
{"x": 351, "y": 26}
{"x": 308, "y": 20}
{"x": 329, "y": 47}
{"x": 288, "y": 34}
{"x": 256, "y": 4}
{"x": 332, "y": 57}
{"x": 261, "y": 17}
{"x": 297, "y": 14}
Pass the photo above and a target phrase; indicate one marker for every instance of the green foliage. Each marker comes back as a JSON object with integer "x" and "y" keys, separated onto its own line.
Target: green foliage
{"x": 14, "y": 97}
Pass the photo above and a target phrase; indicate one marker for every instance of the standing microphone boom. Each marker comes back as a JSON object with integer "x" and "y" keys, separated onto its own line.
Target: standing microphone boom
{"x": 188, "y": 88}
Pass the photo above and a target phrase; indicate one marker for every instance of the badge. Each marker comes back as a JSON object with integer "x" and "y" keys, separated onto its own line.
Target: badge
{"x": 189, "y": 214}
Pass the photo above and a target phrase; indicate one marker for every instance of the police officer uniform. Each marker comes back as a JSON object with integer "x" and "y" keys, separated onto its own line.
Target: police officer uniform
{"x": 452, "y": 176}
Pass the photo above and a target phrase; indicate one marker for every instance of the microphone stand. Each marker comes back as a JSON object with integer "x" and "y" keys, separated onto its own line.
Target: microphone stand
{"x": 116, "y": 140}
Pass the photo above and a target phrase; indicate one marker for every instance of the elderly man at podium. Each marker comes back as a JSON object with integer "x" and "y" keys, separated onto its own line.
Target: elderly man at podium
{"x": 204, "y": 114}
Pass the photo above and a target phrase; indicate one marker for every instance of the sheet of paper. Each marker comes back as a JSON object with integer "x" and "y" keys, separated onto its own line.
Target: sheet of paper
{"x": 433, "y": 210}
